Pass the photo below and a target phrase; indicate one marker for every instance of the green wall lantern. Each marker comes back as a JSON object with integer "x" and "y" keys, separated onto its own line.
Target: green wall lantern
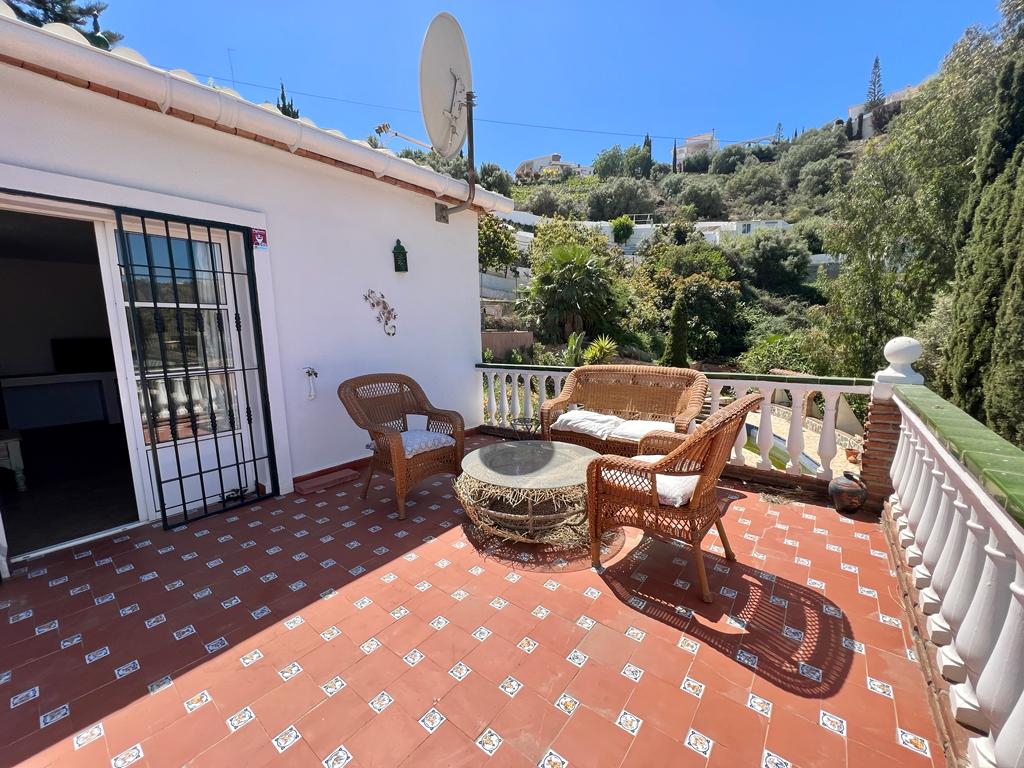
{"x": 401, "y": 257}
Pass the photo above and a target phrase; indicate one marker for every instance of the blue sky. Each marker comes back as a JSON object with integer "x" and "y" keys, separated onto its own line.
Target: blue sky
{"x": 668, "y": 68}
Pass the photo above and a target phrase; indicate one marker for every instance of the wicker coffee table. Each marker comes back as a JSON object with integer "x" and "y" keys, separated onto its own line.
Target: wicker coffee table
{"x": 526, "y": 490}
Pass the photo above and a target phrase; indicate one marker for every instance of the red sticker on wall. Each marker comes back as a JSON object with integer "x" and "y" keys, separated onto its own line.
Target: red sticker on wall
{"x": 259, "y": 239}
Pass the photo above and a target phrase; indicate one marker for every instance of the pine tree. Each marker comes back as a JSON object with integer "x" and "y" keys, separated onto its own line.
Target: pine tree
{"x": 676, "y": 351}
{"x": 81, "y": 16}
{"x": 675, "y": 167}
{"x": 876, "y": 95}
{"x": 778, "y": 133}
{"x": 285, "y": 105}
{"x": 986, "y": 264}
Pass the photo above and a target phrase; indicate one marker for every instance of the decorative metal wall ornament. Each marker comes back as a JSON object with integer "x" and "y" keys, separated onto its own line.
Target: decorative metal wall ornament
{"x": 386, "y": 315}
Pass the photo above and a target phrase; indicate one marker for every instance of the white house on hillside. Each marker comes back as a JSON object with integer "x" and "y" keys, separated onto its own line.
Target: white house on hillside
{"x": 692, "y": 145}
{"x": 176, "y": 261}
{"x": 715, "y": 231}
{"x": 550, "y": 163}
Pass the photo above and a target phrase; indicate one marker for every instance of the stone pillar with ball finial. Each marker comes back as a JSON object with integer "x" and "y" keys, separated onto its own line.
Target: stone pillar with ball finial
{"x": 882, "y": 428}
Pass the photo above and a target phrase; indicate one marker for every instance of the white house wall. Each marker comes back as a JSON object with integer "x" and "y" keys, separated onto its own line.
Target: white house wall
{"x": 331, "y": 234}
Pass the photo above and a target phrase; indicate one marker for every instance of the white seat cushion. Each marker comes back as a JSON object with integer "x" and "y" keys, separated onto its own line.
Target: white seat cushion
{"x": 598, "y": 425}
{"x": 673, "y": 490}
{"x": 635, "y": 429}
{"x": 415, "y": 441}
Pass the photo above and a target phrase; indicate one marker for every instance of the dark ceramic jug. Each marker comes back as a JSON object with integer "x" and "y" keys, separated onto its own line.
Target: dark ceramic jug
{"x": 847, "y": 492}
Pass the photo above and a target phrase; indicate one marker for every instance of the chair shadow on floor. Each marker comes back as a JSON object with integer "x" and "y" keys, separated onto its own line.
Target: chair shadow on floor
{"x": 796, "y": 633}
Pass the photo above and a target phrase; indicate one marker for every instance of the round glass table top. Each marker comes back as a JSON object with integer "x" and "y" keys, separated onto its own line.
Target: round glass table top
{"x": 535, "y": 464}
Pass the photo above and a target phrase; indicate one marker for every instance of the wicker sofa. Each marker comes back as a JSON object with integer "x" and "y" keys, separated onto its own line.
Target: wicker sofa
{"x": 647, "y": 398}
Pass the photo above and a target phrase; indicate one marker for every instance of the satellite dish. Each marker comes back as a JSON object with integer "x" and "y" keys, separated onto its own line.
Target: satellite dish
{"x": 445, "y": 80}
{"x": 446, "y": 97}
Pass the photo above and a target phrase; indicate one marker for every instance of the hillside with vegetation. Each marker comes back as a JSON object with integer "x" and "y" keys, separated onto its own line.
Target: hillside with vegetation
{"x": 925, "y": 219}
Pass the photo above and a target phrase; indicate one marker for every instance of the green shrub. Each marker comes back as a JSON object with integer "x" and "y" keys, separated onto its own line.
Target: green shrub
{"x": 574, "y": 350}
{"x": 729, "y": 159}
{"x": 622, "y": 229}
{"x": 600, "y": 351}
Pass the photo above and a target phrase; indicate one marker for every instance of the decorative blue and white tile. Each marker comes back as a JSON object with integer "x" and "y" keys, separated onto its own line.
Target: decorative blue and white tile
{"x": 913, "y": 742}
{"x": 831, "y": 722}
{"x": 692, "y": 687}
{"x": 699, "y": 743}
{"x": 400, "y": 612}
{"x": 577, "y": 657}
{"x": 810, "y": 671}
{"x": 794, "y": 634}
{"x": 330, "y": 633}
{"x": 510, "y": 686}
{"x": 432, "y": 720}
{"x": 439, "y": 622}
{"x": 760, "y": 705}
{"x": 126, "y": 669}
{"x": 635, "y": 634}
{"x": 181, "y": 634}
{"x": 159, "y": 685}
{"x": 527, "y": 645}
{"x": 460, "y": 595}
{"x": 880, "y": 687}
{"x": 747, "y": 658}
{"x": 551, "y": 585}
{"x": 592, "y": 593}
{"x": 586, "y": 622}
{"x": 242, "y": 717}
{"x": 460, "y": 671}
{"x": 552, "y": 759}
{"x": 251, "y": 657}
{"x": 688, "y": 644}
{"x": 286, "y": 738}
{"x": 489, "y": 741}
{"x": 289, "y": 671}
{"x": 632, "y": 672}
{"x": 629, "y": 722}
{"x": 771, "y": 760}
{"x": 333, "y": 685}
{"x": 381, "y": 701}
{"x": 339, "y": 758}
{"x": 293, "y": 622}
{"x": 481, "y": 633}
{"x": 200, "y": 699}
{"x": 413, "y": 657}
{"x": 370, "y": 646}
{"x": 567, "y": 704}
{"x": 54, "y": 715}
{"x": 88, "y": 736}
{"x": 854, "y": 645}
{"x": 99, "y": 653}
{"x": 129, "y": 757}
{"x": 541, "y": 612}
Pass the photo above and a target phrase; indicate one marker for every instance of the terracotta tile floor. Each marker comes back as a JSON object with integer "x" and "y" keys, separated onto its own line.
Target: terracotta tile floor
{"x": 303, "y": 631}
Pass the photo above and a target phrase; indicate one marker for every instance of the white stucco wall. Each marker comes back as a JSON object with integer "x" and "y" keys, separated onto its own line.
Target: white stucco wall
{"x": 330, "y": 231}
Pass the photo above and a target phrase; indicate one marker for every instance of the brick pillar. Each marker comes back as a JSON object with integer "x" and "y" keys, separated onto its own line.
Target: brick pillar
{"x": 881, "y": 433}
{"x": 882, "y": 428}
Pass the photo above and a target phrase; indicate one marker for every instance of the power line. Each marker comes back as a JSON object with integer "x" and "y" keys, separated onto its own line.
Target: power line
{"x": 512, "y": 123}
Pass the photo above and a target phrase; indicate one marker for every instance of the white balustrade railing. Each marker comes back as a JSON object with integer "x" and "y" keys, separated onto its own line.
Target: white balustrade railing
{"x": 516, "y": 392}
{"x": 966, "y": 553}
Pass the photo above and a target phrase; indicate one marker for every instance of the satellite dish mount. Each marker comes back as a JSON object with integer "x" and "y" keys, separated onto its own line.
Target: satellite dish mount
{"x": 447, "y": 99}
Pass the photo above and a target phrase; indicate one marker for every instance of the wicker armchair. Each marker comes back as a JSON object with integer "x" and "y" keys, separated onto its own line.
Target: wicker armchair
{"x": 645, "y": 392}
{"x": 380, "y": 403}
{"x": 622, "y": 491}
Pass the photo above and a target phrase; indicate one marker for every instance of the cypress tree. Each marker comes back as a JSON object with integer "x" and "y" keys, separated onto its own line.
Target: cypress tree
{"x": 876, "y": 95}
{"x": 849, "y": 129}
{"x": 285, "y": 105}
{"x": 676, "y": 352}
{"x": 675, "y": 168}
{"x": 986, "y": 264}
{"x": 997, "y": 143}
{"x": 1004, "y": 407}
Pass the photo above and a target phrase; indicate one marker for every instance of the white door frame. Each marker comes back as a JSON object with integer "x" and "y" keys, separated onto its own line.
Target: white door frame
{"x": 52, "y": 194}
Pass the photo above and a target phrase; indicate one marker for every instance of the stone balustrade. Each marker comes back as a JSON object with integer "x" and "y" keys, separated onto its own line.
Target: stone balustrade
{"x": 958, "y": 507}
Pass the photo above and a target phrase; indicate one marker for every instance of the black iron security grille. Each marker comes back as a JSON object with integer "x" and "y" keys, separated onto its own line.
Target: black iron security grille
{"x": 190, "y": 298}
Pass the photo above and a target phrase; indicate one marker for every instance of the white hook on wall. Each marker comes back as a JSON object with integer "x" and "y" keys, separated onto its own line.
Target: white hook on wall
{"x": 311, "y": 377}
